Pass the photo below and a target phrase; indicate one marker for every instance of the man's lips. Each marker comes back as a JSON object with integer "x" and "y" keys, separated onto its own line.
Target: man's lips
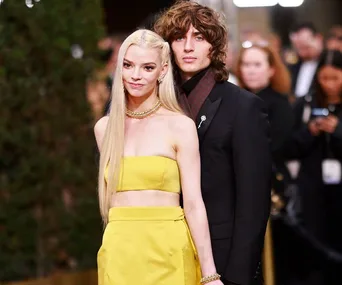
{"x": 189, "y": 59}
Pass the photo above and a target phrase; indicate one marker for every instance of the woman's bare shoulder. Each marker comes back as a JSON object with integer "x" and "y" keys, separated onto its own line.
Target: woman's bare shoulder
{"x": 101, "y": 124}
{"x": 99, "y": 129}
{"x": 184, "y": 133}
{"x": 181, "y": 123}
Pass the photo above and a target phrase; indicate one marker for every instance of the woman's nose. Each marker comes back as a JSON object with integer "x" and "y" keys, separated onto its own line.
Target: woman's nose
{"x": 136, "y": 74}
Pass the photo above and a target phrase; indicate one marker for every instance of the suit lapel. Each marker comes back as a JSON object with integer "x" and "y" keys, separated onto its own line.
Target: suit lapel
{"x": 207, "y": 112}
{"x": 204, "y": 101}
{"x": 200, "y": 93}
{"x": 295, "y": 71}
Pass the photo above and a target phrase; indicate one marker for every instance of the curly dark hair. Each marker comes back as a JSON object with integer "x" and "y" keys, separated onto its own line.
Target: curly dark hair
{"x": 176, "y": 21}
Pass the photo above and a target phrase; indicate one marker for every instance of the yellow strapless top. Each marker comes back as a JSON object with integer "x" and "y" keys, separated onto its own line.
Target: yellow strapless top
{"x": 148, "y": 172}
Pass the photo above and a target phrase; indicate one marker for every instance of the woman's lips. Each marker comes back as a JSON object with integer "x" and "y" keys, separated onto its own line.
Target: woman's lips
{"x": 135, "y": 85}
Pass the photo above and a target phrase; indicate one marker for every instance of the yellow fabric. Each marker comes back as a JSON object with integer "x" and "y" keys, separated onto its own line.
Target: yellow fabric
{"x": 148, "y": 173}
{"x": 147, "y": 246}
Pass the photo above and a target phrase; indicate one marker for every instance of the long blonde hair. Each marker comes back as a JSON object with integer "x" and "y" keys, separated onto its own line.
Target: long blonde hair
{"x": 112, "y": 148}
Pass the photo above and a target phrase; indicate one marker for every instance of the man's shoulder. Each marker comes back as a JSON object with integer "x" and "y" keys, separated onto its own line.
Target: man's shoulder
{"x": 232, "y": 92}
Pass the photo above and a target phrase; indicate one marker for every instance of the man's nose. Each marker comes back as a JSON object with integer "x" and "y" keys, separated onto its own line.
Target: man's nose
{"x": 188, "y": 45}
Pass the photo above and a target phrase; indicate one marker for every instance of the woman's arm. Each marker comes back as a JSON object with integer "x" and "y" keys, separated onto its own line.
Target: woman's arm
{"x": 188, "y": 159}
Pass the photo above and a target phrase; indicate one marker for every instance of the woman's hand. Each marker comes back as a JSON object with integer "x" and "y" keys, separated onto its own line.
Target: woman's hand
{"x": 327, "y": 124}
{"x": 313, "y": 128}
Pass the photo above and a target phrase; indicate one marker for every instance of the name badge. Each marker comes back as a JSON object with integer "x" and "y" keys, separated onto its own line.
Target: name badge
{"x": 331, "y": 171}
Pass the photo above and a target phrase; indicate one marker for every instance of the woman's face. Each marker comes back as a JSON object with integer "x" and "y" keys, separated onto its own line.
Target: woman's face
{"x": 255, "y": 69}
{"x": 330, "y": 79}
{"x": 141, "y": 69}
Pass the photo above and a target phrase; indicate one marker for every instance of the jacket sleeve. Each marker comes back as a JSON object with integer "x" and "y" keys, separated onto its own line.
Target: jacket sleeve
{"x": 252, "y": 167}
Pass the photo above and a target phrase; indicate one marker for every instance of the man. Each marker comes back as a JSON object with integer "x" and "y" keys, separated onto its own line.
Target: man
{"x": 233, "y": 135}
{"x": 308, "y": 44}
{"x": 334, "y": 39}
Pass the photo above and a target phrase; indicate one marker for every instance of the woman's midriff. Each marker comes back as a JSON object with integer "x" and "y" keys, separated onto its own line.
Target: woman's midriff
{"x": 141, "y": 198}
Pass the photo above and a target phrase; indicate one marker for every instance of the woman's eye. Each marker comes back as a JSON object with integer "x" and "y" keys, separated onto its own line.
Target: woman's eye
{"x": 126, "y": 65}
{"x": 199, "y": 38}
{"x": 149, "y": 68}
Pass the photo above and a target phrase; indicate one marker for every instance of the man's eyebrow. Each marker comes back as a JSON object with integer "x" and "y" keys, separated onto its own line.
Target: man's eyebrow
{"x": 197, "y": 33}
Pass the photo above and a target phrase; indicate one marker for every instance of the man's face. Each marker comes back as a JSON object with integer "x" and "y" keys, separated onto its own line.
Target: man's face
{"x": 191, "y": 53}
{"x": 334, "y": 43}
{"x": 307, "y": 45}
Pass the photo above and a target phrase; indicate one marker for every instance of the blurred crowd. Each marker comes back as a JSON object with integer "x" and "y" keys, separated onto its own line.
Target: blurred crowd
{"x": 301, "y": 86}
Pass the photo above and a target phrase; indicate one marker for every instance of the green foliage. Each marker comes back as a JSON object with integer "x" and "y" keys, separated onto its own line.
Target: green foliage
{"x": 49, "y": 216}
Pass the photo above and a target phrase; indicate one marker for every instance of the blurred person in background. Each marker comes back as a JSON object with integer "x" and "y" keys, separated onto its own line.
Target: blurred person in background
{"x": 149, "y": 155}
{"x": 308, "y": 44}
{"x": 99, "y": 85}
{"x": 261, "y": 71}
{"x": 234, "y": 139}
{"x": 317, "y": 144}
{"x": 97, "y": 92}
{"x": 112, "y": 57}
{"x": 334, "y": 38}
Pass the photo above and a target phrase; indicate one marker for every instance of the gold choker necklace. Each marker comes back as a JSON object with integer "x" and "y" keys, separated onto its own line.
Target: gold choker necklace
{"x": 144, "y": 114}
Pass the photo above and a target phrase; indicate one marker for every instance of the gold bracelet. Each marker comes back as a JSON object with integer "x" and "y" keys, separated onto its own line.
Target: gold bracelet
{"x": 210, "y": 278}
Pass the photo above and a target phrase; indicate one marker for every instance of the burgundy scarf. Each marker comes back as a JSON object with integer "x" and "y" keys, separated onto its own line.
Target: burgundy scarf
{"x": 192, "y": 103}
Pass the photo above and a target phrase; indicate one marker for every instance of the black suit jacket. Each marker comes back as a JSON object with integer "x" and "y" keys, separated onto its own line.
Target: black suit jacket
{"x": 235, "y": 178}
{"x": 294, "y": 71}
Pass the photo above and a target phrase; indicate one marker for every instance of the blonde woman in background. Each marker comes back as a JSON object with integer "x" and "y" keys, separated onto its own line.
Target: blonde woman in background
{"x": 149, "y": 152}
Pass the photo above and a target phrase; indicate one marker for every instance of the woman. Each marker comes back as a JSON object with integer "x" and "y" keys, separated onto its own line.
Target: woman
{"x": 261, "y": 71}
{"x": 317, "y": 144}
{"x": 149, "y": 151}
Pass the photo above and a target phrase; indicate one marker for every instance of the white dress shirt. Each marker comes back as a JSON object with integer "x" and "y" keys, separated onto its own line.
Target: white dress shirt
{"x": 305, "y": 76}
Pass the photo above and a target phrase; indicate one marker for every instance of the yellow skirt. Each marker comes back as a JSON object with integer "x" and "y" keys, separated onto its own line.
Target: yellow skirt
{"x": 147, "y": 246}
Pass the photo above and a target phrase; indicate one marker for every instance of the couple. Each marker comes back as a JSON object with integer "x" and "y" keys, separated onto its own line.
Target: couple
{"x": 215, "y": 153}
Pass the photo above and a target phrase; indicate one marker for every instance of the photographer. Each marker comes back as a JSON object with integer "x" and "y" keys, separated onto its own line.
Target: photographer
{"x": 317, "y": 145}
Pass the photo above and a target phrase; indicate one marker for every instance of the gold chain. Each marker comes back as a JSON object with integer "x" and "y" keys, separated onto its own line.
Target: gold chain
{"x": 210, "y": 278}
{"x": 144, "y": 114}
